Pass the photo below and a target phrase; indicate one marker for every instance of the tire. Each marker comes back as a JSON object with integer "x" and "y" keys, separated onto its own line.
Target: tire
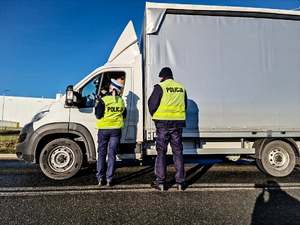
{"x": 298, "y": 161}
{"x": 277, "y": 159}
{"x": 61, "y": 159}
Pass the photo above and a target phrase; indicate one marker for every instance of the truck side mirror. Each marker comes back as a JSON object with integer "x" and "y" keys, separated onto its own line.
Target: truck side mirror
{"x": 69, "y": 96}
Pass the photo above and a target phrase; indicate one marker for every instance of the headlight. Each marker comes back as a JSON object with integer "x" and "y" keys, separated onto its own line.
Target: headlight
{"x": 39, "y": 116}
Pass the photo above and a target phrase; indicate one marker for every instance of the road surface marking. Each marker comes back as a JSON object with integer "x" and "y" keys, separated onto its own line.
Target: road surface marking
{"x": 91, "y": 189}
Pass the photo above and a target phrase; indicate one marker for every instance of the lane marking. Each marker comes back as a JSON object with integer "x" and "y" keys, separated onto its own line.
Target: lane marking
{"x": 92, "y": 189}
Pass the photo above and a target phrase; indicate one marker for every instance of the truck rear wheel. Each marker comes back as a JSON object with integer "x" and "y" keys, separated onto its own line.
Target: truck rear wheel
{"x": 277, "y": 159}
{"x": 61, "y": 159}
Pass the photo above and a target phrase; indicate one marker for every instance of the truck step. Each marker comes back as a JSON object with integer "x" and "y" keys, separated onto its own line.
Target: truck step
{"x": 209, "y": 151}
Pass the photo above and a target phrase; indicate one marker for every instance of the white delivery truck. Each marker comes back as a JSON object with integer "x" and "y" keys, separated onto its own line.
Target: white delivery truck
{"x": 241, "y": 70}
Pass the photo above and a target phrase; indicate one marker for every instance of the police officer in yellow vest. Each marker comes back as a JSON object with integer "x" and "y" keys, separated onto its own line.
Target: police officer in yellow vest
{"x": 167, "y": 105}
{"x": 110, "y": 112}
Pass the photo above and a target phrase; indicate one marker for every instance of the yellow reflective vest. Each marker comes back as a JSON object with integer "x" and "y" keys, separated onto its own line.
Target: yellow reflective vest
{"x": 172, "y": 103}
{"x": 113, "y": 117}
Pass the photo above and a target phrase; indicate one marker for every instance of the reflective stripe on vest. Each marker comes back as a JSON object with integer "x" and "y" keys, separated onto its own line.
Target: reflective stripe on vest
{"x": 172, "y": 103}
{"x": 113, "y": 117}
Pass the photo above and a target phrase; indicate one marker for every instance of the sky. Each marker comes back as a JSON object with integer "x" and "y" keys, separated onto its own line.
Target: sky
{"x": 46, "y": 45}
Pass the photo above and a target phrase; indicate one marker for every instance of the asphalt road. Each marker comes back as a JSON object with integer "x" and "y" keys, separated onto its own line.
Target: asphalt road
{"x": 219, "y": 193}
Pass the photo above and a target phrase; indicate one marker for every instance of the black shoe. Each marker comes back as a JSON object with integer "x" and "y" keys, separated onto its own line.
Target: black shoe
{"x": 182, "y": 186}
{"x": 160, "y": 187}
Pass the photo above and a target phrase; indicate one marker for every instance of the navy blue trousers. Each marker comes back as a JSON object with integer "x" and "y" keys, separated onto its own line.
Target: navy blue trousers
{"x": 164, "y": 137}
{"x": 112, "y": 138}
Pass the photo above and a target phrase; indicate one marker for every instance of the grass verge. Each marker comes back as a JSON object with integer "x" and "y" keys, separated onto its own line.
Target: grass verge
{"x": 8, "y": 141}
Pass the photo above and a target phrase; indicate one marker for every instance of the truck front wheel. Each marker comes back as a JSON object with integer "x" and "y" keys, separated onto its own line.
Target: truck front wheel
{"x": 277, "y": 159}
{"x": 61, "y": 159}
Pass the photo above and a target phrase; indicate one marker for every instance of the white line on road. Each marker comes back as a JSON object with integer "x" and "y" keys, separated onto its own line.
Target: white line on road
{"x": 92, "y": 189}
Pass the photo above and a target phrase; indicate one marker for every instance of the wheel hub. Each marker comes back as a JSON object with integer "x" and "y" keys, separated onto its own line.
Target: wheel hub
{"x": 279, "y": 158}
{"x": 61, "y": 159}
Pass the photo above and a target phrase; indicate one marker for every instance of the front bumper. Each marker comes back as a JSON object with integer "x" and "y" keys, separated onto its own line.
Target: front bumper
{"x": 25, "y": 148}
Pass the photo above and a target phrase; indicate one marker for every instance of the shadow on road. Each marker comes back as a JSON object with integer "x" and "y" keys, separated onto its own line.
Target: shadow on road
{"x": 134, "y": 175}
{"x": 191, "y": 176}
{"x": 275, "y": 206}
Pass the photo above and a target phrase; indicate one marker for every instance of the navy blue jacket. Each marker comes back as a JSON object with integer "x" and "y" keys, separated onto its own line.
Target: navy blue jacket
{"x": 100, "y": 108}
{"x": 154, "y": 102}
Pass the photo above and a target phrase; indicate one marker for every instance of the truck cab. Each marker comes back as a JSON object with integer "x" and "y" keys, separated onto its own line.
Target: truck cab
{"x": 62, "y": 136}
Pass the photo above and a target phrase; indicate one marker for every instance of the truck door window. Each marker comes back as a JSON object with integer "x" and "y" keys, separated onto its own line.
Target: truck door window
{"x": 89, "y": 92}
{"x": 119, "y": 76}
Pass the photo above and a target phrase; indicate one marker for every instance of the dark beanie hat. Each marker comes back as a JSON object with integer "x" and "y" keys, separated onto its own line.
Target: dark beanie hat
{"x": 165, "y": 72}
